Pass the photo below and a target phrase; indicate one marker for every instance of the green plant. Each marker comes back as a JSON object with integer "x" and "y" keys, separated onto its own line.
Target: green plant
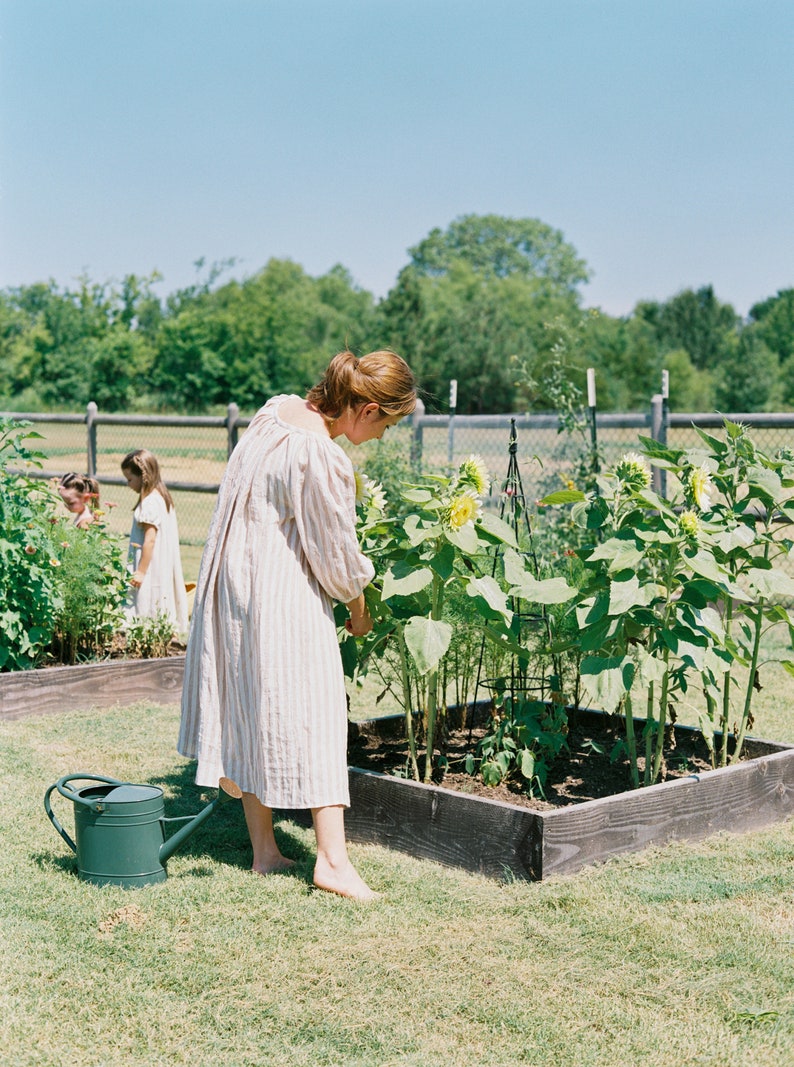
{"x": 680, "y": 590}
{"x": 30, "y": 596}
{"x": 149, "y": 638}
{"x": 523, "y": 738}
{"x": 92, "y": 579}
{"x": 440, "y": 545}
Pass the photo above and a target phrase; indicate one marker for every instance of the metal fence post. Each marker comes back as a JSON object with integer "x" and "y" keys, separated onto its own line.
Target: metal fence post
{"x": 232, "y": 418}
{"x": 453, "y": 403}
{"x": 91, "y": 412}
{"x": 658, "y": 433}
{"x": 416, "y": 434}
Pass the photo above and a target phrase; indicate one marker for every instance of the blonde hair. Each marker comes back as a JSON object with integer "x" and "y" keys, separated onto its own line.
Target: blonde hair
{"x": 381, "y": 378}
{"x": 144, "y": 463}
{"x": 83, "y": 484}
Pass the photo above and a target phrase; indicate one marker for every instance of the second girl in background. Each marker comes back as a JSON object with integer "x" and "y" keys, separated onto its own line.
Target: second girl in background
{"x": 80, "y": 495}
{"x": 157, "y": 583}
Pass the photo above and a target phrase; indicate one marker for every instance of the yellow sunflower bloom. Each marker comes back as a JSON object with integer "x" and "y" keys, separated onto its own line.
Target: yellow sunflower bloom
{"x": 462, "y": 509}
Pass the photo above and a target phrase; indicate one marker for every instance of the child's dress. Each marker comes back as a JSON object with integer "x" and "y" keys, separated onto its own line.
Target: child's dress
{"x": 163, "y": 586}
{"x": 86, "y": 517}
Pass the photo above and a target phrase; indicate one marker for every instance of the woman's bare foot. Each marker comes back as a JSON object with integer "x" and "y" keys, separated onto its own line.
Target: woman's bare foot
{"x": 274, "y": 865}
{"x": 346, "y": 881}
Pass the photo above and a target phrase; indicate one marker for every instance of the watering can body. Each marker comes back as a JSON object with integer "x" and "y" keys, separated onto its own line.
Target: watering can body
{"x": 120, "y": 829}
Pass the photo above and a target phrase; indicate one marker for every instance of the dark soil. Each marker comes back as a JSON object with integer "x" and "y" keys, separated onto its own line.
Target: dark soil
{"x": 582, "y": 771}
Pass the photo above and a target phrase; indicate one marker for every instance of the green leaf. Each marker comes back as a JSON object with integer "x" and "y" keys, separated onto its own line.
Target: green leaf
{"x": 564, "y": 496}
{"x": 606, "y": 680}
{"x": 401, "y": 579}
{"x": 443, "y": 563}
{"x": 417, "y": 496}
{"x": 497, "y": 528}
{"x": 528, "y": 764}
{"x": 649, "y": 668}
{"x": 739, "y": 537}
{"x": 547, "y": 591}
{"x": 465, "y": 539}
{"x": 787, "y": 666}
{"x": 488, "y": 589}
{"x": 625, "y": 595}
{"x": 416, "y": 531}
{"x": 622, "y": 553}
{"x": 427, "y": 640}
{"x": 770, "y": 583}
{"x": 349, "y": 653}
{"x": 590, "y": 513}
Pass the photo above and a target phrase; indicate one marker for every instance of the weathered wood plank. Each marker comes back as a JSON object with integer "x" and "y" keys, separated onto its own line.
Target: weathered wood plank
{"x": 477, "y": 834}
{"x": 90, "y": 685}
{"x": 493, "y": 838}
{"x": 744, "y": 796}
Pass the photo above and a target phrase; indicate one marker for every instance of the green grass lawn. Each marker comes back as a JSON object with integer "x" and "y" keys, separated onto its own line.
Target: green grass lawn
{"x": 678, "y": 954}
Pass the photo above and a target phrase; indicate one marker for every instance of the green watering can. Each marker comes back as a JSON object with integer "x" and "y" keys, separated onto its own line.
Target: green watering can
{"x": 120, "y": 828}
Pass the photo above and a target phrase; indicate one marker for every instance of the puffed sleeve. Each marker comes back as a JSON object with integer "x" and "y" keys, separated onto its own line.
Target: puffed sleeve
{"x": 151, "y": 510}
{"x": 325, "y": 513}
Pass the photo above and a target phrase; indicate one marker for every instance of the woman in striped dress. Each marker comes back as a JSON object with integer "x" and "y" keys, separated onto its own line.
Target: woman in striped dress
{"x": 264, "y": 698}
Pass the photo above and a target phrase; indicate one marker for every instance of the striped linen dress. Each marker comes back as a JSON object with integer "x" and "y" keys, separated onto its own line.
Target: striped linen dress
{"x": 264, "y": 700}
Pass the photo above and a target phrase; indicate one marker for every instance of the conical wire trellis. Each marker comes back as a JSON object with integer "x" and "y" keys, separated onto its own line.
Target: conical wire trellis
{"x": 515, "y": 682}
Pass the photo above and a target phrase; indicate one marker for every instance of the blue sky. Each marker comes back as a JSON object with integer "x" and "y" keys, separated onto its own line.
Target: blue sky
{"x": 144, "y": 134}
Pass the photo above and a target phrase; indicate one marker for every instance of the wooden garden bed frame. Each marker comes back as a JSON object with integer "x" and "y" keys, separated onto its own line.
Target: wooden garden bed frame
{"x": 485, "y": 836}
{"x": 501, "y": 840}
{"x": 90, "y": 685}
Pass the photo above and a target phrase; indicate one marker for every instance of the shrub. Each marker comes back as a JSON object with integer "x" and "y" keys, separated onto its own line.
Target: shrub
{"x": 30, "y": 594}
{"x": 92, "y": 578}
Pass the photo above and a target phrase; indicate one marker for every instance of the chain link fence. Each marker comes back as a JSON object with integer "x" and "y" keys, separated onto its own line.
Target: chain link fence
{"x": 193, "y": 451}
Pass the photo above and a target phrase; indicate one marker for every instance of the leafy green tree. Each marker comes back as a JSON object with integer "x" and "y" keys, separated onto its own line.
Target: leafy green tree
{"x": 748, "y": 378}
{"x": 499, "y": 247}
{"x": 626, "y": 359}
{"x": 474, "y": 300}
{"x": 775, "y": 323}
{"x": 690, "y": 389}
{"x": 120, "y": 364}
{"x": 695, "y": 321}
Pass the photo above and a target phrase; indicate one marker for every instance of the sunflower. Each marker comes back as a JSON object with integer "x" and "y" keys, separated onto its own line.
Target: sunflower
{"x": 689, "y": 523}
{"x": 633, "y": 471}
{"x": 474, "y": 474}
{"x": 462, "y": 509}
{"x": 700, "y": 487}
{"x": 369, "y": 494}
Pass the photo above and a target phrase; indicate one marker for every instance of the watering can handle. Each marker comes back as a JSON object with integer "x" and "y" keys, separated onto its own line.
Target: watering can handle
{"x": 71, "y": 794}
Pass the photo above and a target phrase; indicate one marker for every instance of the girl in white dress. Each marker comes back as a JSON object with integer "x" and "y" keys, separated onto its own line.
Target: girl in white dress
{"x": 156, "y": 579}
{"x": 264, "y": 700}
{"x": 80, "y": 494}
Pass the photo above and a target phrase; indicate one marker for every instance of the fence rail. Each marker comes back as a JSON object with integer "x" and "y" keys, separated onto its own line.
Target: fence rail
{"x": 193, "y": 449}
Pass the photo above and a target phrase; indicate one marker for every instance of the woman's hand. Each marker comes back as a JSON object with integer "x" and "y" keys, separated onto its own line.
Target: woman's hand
{"x": 136, "y": 579}
{"x": 360, "y": 622}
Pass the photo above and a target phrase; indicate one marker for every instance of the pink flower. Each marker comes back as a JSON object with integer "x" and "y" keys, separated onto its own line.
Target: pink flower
{"x": 30, "y": 549}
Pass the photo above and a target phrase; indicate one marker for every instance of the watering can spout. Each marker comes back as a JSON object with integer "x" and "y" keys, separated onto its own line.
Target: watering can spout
{"x": 227, "y": 790}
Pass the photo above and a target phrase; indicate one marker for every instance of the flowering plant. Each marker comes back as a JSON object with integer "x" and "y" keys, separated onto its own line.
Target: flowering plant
{"x": 29, "y": 592}
{"x": 440, "y": 545}
{"x": 678, "y": 591}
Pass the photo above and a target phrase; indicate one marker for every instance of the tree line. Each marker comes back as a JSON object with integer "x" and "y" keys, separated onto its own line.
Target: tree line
{"x": 492, "y": 302}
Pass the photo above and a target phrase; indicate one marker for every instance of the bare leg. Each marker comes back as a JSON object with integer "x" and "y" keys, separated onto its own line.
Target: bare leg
{"x": 333, "y": 870}
{"x": 259, "y": 820}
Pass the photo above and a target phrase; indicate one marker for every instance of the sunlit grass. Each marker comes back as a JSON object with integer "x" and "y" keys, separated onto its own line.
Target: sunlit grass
{"x": 680, "y": 953}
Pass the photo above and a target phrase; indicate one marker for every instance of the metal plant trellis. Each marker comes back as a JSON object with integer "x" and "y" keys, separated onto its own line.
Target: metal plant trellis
{"x": 517, "y": 682}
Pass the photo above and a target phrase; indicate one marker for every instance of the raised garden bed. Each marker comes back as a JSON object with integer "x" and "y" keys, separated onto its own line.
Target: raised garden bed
{"x": 498, "y": 839}
{"x": 90, "y": 685}
{"x": 492, "y": 837}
